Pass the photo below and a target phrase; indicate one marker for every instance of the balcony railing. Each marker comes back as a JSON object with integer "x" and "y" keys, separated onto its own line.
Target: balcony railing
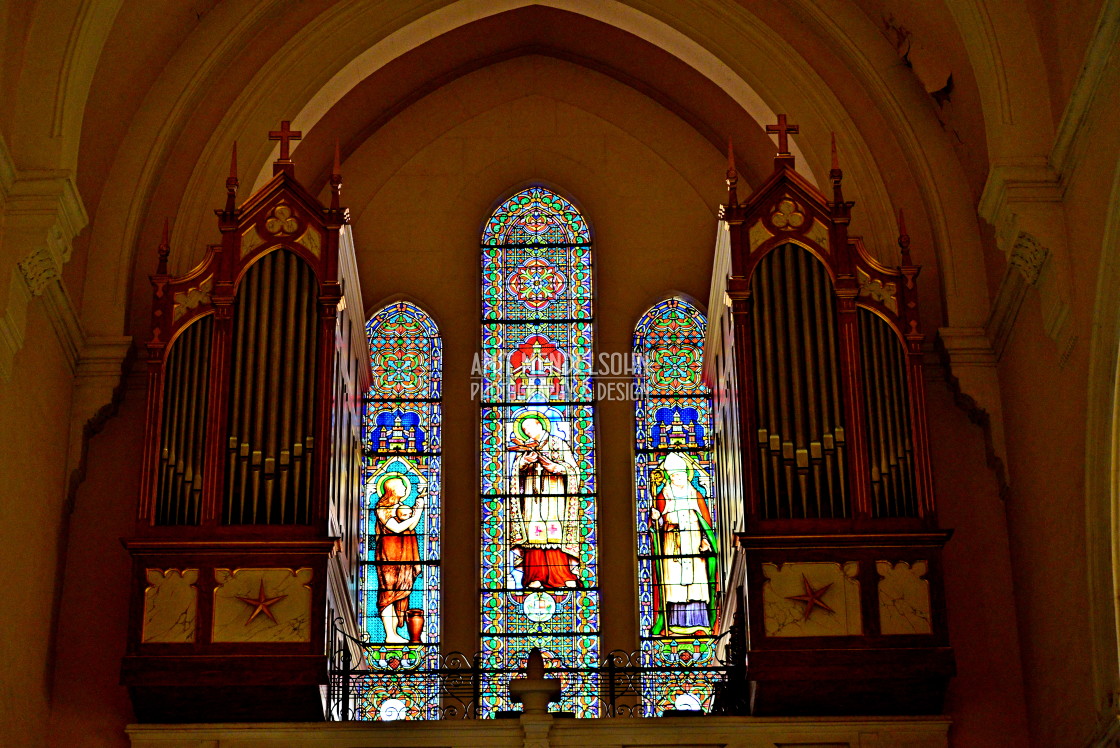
{"x": 390, "y": 682}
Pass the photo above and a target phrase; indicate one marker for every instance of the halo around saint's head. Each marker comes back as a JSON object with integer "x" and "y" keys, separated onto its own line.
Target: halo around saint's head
{"x": 530, "y": 415}
{"x": 397, "y": 467}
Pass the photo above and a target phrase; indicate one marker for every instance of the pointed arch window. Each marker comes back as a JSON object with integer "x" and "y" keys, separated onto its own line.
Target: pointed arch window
{"x": 540, "y": 580}
{"x": 677, "y": 526}
{"x": 399, "y": 579}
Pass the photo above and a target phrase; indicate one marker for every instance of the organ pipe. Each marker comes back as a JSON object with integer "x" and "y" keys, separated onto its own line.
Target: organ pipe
{"x": 797, "y": 394}
{"x": 273, "y": 381}
{"x": 887, "y": 405}
{"x": 182, "y": 437}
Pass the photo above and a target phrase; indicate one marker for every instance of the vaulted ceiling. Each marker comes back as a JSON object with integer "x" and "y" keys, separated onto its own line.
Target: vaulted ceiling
{"x": 149, "y": 96}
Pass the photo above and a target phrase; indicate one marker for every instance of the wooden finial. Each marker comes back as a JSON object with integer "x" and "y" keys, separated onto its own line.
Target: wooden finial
{"x": 164, "y": 250}
{"x": 231, "y": 182}
{"x": 732, "y": 175}
{"x": 336, "y": 178}
{"x": 836, "y": 175}
{"x": 903, "y": 238}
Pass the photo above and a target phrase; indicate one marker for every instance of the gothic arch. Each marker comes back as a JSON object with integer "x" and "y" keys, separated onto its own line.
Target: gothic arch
{"x": 104, "y": 289}
{"x": 47, "y": 129}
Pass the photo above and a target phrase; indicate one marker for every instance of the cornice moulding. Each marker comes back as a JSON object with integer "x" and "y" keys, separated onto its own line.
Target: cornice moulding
{"x": 968, "y": 346}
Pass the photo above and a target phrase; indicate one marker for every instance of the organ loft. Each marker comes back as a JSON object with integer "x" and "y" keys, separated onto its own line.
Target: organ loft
{"x": 439, "y": 374}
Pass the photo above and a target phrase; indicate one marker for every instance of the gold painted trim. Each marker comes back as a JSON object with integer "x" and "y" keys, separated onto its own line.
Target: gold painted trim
{"x": 757, "y": 234}
{"x": 192, "y": 297}
{"x": 312, "y": 240}
{"x": 885, "y": 293}
{"x": 250, "y": 240}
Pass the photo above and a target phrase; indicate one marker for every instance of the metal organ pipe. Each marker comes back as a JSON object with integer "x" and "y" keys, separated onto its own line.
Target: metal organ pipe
{"x": 310, "y": 319}
{"x": 273, "y": 381}
{"x": 835, "y": 405}
{"x": 797, "y": 393}
{"x": 886, "y": 401}
{"x": 185, "y": 394}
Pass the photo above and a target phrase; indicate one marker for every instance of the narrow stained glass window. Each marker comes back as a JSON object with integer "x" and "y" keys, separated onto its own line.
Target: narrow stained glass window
{"x": 539, "y": 585}
{"x": 398, "y": 586}
{"x": 677, "y": 537}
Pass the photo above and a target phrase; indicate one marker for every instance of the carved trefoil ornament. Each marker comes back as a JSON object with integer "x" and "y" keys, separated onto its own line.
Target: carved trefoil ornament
{"x": 281, "y": 221}
{"x": 788, "y": 216}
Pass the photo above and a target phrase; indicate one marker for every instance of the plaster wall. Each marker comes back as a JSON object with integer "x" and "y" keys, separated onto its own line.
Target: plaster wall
{"x": 34, "y": 417}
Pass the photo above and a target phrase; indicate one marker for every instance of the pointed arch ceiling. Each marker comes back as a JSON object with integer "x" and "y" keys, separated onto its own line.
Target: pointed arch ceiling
{"x": 347, "y": 68}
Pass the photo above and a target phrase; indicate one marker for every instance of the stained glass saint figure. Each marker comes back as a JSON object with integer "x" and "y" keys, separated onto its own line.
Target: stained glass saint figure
{"x": 685, "y": 540}
{"x": 397, "y": 553}
{"x": 545, "y": 520}
{"x": 678, "y": 531}
{"x": 398, "y": 583}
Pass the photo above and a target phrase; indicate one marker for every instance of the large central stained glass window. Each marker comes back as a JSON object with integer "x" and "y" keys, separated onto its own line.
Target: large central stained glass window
{"x": 540, "y": 580}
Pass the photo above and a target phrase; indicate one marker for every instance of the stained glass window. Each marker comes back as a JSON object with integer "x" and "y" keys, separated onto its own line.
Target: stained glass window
{"x": 398, "y": 582}
{"x": 539, "y": 585}
{"x": 677, "y": 538}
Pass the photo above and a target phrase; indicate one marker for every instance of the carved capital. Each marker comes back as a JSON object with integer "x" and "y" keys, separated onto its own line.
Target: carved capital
{"x": 1028, "y": 256}
{"x": 1023, "y": 196}
{"x": 42, "y": 213}
{"x": 40, "y": 268}
{"x": 1023, "y": 201}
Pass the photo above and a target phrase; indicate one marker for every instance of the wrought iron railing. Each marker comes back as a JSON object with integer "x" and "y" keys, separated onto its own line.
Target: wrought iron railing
{"x": 370, "y": 681}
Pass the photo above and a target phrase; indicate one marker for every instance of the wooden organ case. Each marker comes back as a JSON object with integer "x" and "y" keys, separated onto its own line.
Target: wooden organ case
{"x": 814, "y": 352}
{"x": 246, "y": 535}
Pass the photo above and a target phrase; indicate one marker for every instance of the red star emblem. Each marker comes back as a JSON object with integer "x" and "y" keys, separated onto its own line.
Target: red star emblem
{"x": 812, "y": 598}
{"x": 261, "y": 604}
